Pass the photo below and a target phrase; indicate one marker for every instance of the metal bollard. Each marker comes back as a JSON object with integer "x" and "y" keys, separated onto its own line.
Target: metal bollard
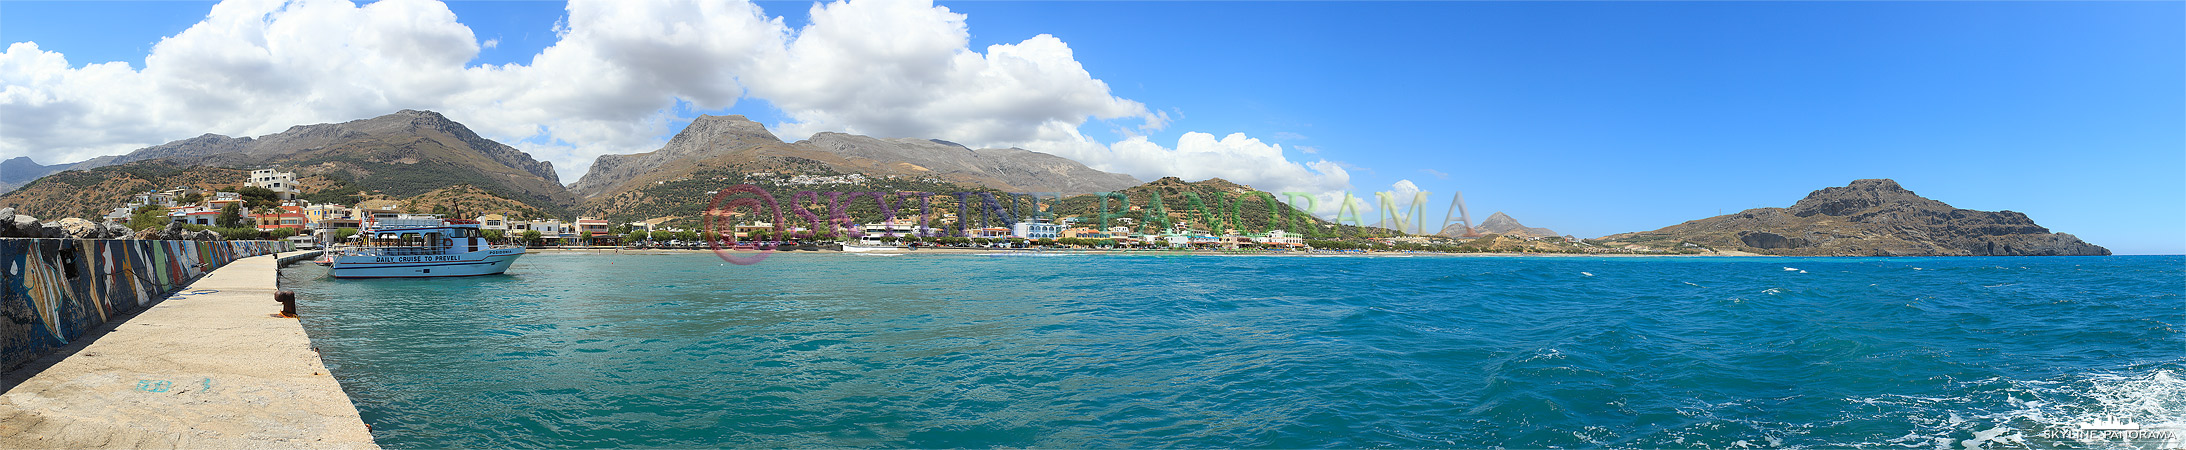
{"x": 288, "y": 302}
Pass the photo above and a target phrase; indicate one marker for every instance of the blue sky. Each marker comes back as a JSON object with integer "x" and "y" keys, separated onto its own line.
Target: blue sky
{"x": 1588, "y": 118}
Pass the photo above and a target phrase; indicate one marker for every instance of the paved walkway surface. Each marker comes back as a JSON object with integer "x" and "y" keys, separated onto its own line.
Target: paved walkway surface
{"x": 212, "y": 370}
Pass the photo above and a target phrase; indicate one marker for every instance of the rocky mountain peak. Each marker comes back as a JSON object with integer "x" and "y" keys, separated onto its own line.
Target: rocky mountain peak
{"x": 723, "y": 132}
{"x": 1877, "y": 184}
{"x": 1500, "y": 223}
{"x": 18, "y": 162}
{"x": 1860, "y": 196}
{"x": 1868, "y": 218}
{"x": 707, "y": 136}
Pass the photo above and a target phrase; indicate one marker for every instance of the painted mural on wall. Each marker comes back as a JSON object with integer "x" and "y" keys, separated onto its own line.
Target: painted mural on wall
{"x": 53, "y": 290}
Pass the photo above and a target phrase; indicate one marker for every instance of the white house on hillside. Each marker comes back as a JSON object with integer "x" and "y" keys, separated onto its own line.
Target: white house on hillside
{"x": 281, "y": 182}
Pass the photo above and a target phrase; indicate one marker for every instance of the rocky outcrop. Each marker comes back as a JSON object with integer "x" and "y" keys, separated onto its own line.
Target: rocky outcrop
{"x": 1874, "y": 217}
{"x": 706, "y": 137}
{"x": 85, "y": 229}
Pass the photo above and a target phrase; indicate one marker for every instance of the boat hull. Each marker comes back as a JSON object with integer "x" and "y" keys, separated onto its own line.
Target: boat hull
{"x": 483, "y": 262}
{"x": 871, "y": 248}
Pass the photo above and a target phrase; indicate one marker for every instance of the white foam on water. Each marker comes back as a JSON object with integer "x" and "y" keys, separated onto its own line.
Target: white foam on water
{"x": 2099, "y": 410}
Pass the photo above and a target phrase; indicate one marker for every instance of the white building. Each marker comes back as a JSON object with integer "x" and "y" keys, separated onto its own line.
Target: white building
{"x": 892, "y": 227}
{"x": 1036, "y": 230}
{"x": 493, "y": 222}
{"x": 1278, "y": 237}
{"x": 549, "y": 228}
{"x": 280, "y": 182}
{"x": 121, "y": 214}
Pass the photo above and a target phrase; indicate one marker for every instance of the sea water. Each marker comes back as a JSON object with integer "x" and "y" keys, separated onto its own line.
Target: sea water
{"x": 847, "y": 350}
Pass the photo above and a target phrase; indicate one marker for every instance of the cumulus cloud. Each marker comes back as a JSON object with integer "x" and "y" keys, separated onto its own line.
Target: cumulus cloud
{"x": 1404, "y": 189}
{"x": 250, "y": 67}
{"x": 611, "y": 83}
{"x": 903, "y": 68}
{"x": 1237, "y": 158}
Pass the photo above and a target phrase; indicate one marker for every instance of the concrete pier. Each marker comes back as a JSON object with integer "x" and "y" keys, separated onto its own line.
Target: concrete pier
{"x": 212, "y": 367}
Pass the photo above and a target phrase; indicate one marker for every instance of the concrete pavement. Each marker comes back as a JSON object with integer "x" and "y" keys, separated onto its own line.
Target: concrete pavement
{"x": 215, "y": 369}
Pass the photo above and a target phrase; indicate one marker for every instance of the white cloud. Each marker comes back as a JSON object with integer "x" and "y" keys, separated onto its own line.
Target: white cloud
{"x": 903, "y": 68}
{"x": 1237, "y": 158}
{"x": 250, "y": 67}
{"x": 611, "y": 84}
{"x": 1404, "y": 190}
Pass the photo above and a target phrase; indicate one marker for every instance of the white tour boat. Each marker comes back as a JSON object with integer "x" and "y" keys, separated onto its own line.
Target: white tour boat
{"x": 873, "y": 246}
{"x": 414, "y": 246}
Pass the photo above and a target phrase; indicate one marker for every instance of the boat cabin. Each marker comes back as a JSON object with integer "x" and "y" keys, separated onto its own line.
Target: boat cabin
{"x": 420, "y": 236}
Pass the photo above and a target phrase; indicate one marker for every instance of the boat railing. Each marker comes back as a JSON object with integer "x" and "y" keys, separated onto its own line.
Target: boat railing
{"x": 383, "y": 250}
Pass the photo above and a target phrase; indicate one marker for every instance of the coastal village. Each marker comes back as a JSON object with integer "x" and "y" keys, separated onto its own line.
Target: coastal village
{"x": 269, "y": 205}
{"x": 319, "y": 185}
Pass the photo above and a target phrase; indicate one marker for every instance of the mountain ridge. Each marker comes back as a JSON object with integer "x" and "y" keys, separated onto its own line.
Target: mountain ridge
{"x": 717, "y": 141}
{"x": 401, "y": 154}
{"x": 1498, "y": 223}
{"x": 1868, "y": 217}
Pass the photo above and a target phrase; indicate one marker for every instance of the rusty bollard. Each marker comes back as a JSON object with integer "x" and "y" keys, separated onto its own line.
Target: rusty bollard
{"x": 288, "y": 302}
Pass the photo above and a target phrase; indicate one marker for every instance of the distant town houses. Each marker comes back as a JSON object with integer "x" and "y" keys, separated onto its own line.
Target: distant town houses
{"x": 314, "y": 223}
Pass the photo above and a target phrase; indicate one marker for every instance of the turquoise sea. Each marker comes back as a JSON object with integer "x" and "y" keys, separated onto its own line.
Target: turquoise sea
{"x": 847, "y": 350}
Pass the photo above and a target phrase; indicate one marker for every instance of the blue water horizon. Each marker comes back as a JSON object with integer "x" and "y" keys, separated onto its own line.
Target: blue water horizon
{"x": 1073, "y": 350}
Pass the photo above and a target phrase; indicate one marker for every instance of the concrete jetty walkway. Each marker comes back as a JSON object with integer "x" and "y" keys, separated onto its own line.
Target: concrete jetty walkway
{"x": 212, "y": 370}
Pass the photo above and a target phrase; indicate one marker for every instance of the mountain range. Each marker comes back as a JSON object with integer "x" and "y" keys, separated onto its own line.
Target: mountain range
{"x": 433, "y": 164}
{"x": 436, "y": 164}
{"x": 401, "y": 155}
{"x": 729, "y": 140}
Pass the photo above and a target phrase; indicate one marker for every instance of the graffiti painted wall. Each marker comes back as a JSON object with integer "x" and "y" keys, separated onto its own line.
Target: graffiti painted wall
{"x": 55, "y": 289}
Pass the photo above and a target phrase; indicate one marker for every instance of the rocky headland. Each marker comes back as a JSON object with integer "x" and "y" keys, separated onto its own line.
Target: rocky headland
{"x": 1873, "y": 217}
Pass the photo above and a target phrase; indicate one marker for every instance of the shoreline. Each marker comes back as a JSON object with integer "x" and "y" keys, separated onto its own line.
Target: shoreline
{"x": 989, "y": 251}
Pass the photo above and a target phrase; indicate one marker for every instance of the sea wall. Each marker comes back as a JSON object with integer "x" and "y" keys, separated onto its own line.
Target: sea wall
{"x": 56, "y": 289}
